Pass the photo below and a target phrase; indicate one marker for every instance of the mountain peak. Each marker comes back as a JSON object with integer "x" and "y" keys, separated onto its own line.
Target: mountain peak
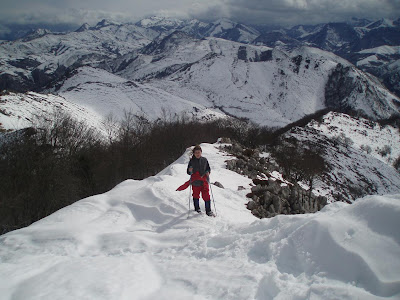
{"x": 381, "y": 23}
{"x": 36, "y": 33}
{"x": 159, "y": 21}
{"x": 172, "y": 40}
{"x": 105, "y": 23}
{"x": 84, "y": 27}
{"x": 359, "y": 22}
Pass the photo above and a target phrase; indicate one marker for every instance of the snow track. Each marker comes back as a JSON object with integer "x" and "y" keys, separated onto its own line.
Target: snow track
{"x": 135, "y": 242}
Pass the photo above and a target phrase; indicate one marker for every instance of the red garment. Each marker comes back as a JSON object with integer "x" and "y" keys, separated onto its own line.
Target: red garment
{"x": 204, "y": 192}
{"x": 197, "y": 189}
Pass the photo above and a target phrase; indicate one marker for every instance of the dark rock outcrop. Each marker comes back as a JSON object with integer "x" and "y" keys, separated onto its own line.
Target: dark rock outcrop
{"x": 270, "y": 196}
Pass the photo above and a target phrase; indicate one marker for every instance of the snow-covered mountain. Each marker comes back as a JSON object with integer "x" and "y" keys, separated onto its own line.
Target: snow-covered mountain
{"x": 359, "y": 153}
{"x": 347, "y": 37}
{"x": 135, "y": 242}
{"x": 92, "y": 95}
{"x": 42, "y": 57}
{"x": 106, "y": 93}
{"x": 364, "y": 43}
{"x": 37, "y": 60}
{"x": 268, "y": 86}
{"x": 18, "y": 111}
{"x": 271, "y": 87}
{"x": 228, "y": 30}
{"x": 223, "y": 28}
{"x": 165, "y": 26}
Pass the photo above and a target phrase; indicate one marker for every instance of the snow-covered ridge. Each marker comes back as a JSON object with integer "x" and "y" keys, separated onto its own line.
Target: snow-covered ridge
{"x": 135, "y": 242}
{"x": 106, "y": 93}
{"x": 92, "y": 95}
{"x": 19, "y": 111}
{"x": 268, "y": 86}
{"x": 272, "y": 87}
{"x": 383, "y": 50}
{"x": 363, "y": 134}
{"x": 359, "y": 154}
{"x": 51, "y": 53}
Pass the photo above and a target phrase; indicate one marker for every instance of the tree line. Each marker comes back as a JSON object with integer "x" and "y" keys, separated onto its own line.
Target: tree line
{"x": 61, "y": 160}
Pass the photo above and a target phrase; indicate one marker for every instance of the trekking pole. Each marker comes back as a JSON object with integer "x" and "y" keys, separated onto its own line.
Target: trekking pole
{"x": 190, "y": 192}
{"x": 212, "y": 196}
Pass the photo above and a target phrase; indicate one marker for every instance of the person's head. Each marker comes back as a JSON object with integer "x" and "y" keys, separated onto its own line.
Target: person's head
{"x": 197, "y": 151}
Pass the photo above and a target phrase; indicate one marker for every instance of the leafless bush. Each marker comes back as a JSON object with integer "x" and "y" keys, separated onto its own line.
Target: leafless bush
{"x": 385, "y": 151}
{"x": 366, "y": 148}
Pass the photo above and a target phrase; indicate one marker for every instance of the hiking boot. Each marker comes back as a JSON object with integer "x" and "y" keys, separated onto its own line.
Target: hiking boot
{"x": 196, "y": 205}
{"x": 210, "y": 213}
{"x": 208, "y": 208}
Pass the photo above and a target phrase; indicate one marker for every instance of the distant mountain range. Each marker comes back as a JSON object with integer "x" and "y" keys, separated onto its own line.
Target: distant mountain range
{"x": 164, "y": 68}
{"x": 373, "y": 46}
{"x": 272, "y": 85}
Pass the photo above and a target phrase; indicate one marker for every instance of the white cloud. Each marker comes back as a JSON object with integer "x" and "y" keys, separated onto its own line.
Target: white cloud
{"x": 292, "y": 12}
{"x": 284, "y": 12}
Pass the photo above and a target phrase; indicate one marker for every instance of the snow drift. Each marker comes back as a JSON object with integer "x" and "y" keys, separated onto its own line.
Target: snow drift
{"x": 135, "y": 242}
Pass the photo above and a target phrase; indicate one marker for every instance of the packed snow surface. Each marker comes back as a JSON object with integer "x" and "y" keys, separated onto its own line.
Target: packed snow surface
{"x": 136, "y": 242}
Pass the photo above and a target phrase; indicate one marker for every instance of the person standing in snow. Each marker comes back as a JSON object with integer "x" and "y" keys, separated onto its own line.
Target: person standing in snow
{"x": 199, "y": 170}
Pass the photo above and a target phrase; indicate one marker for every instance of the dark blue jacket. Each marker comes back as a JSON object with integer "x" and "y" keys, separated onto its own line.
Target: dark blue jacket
{"x": 199, "y": 165}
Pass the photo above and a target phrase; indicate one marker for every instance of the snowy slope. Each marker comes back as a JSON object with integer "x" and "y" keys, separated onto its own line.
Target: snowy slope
{"x": 229, "y": 30}
{"x": 19, "y": 111}
{"x": 268, "y": 86}
{"x": 135, "y": 242}
{"x": 353, "y": 170}
{"x": 262, "y": 85}
{"x": 40, "y": 59}
{"x": 165, "y": 26}
{"x": 362, "y": 133}
{"x": 92, "y": 95}
{"x": 222, "y": 28}
{"x": 105, "y": 93}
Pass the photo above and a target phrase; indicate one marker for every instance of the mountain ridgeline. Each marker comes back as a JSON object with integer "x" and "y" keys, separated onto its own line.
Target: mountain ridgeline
{"x": 371, "y": 46}
{"x": 273, "y": 78}
{"x": 136, "y": 95}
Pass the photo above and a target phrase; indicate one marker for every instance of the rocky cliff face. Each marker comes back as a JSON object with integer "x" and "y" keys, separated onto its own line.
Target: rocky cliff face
{"x": 348, "y": 89}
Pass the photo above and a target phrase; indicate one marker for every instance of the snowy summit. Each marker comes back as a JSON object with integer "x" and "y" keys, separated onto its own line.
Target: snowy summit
{"x": 136, "y": 242}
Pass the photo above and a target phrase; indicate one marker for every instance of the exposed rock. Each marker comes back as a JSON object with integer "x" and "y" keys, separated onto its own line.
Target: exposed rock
{"x": 256, "y": 189}
{"x": 269, "y": 196}
{"x": 273, "y": 187}
{"x": 241, "y": 188}
{"x": 285, "y": 190}
{"x": 242, "y": 53}
{"x": 251, "y": 205}
{"x": 271, "y": 209}
{"x": 218, "y": 184}
{"x": 276, "y": 199}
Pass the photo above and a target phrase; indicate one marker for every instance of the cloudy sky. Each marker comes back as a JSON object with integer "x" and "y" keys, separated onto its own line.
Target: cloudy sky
{"x": 279, "y": 12}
